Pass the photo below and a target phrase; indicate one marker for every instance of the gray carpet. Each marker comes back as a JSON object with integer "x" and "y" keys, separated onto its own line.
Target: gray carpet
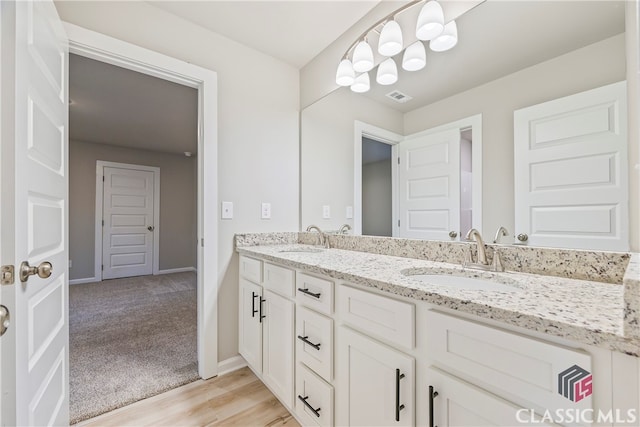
{"x": 130, "y": 339}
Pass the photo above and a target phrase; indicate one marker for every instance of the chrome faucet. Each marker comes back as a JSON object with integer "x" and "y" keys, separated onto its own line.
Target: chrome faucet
{"x": 322, "y": 238}
{"x": 344, "y": 229}
{"x": 501, "y": 232}
{"x": 481, "y": 258}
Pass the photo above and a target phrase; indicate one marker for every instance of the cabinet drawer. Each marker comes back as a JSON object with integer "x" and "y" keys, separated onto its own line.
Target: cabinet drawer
{"x": 318, "y": 395}
{"x": 251, "y": 269}
{"x": 528, "y": 370}
{"x": 314, "y": 342}
{"x": 279, "y": 279}
{"x": 378, "y": 316}
{"x": 315, "y": 292}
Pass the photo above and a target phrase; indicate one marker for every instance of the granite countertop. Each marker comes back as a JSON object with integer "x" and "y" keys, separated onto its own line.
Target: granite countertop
{"x": 582, "y": 311}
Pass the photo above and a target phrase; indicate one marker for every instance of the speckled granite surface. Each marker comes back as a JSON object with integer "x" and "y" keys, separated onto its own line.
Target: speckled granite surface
{"x": 583, "y": 311}
{"x": 631, "y": 285}
{"x": 254, "y": 239}
{"x": 607, "y": 267}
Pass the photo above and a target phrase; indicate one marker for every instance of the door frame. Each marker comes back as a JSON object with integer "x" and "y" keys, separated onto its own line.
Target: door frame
{"x": 99, "y": 229}
{"x": 107, "y": 49}
{"x": 362, "y": 129}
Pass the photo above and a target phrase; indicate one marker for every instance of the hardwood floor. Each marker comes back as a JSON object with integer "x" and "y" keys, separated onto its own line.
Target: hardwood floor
{"x": 238, "y": 398}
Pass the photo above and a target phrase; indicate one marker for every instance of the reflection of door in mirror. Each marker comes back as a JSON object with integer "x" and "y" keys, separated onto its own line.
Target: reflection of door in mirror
{"x": 377, "y": 191}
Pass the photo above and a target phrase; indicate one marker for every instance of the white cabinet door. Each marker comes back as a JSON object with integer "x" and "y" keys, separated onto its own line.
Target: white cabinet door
{"x": 278, "y": 346}
{"x": 35, "y": 360}
{"x": 458, "y": 403}
{"x": 429, "y": 185}
{"x": 375, "y": 383}
{"x": 571, "y": 179}
{"x": 250, "y": 324}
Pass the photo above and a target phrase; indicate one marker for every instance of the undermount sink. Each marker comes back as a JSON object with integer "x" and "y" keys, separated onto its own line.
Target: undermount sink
{"x": 463, "y": 283}
{"x": 302, "y": 250}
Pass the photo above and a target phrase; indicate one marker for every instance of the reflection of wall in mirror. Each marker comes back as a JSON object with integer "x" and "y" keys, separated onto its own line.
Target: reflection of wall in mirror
{"x": 465, "y": 185}
{"x": 327, "y": 126}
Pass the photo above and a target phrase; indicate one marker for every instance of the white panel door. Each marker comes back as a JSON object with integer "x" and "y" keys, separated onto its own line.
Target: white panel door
{"x": 127, "y": 240}
{"x": 571, "y": 179}
{"x": 429, "y": 185}
{"x": 35, "y": 348}
{"x": 278, "y": 346}
{"x": 375, "y": 383}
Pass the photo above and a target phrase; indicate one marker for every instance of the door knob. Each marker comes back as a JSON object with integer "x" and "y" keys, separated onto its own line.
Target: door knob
{"x": 453, "y": 234}
{"x": 522, "y": 237}
{"x": 5, "y": 319}
{"x": 43, "y": 270}
{"x": 151, "y": 228}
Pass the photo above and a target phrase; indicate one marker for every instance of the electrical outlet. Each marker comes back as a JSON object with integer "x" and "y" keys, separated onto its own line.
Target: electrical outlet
{"x": 227, "y": 210}
{"x": 326, "y": 212}
{"x": 266, "y": 211}
{"x": 349, "y": 212}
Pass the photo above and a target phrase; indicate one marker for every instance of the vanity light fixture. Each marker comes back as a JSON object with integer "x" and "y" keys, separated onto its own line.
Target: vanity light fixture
{"x": 359, "y": 57}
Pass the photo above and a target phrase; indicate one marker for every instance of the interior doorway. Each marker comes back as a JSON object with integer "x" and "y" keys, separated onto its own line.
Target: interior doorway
{"x": 377, "y": 189}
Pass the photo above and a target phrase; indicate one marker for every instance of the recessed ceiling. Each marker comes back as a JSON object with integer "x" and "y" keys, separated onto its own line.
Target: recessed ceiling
{"x": 293, "y": 31}
{"x": 116, "y": 106}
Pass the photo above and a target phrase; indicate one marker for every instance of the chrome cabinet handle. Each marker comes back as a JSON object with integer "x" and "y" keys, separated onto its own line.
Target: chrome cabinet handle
{"x": 151, "y": 228}
{"x": 399, "y": 407}
{"x": 523, "y": 237}
{"x": 43, "y": 270}
{"x": 453, "y": 234}
{"x": 432, "y": 395}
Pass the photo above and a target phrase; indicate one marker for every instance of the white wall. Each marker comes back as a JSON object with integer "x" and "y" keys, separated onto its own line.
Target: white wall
{"x": 592, "y": 66}
{"x": 258, "y": 105}
{"x": 327, "y": 147}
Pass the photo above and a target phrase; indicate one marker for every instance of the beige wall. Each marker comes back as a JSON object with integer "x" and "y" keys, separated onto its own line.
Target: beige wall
{"x": 376, "y": 199}
{"x": 258, "y": 117}
{"x": 592, "y": 66}
{"x": 177, "y": 203}
{"x": 327, "y": 148}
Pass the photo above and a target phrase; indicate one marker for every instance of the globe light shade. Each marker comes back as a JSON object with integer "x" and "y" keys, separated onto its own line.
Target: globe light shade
{"x": 390, "y": 42}
{"x": 415, "y": 57}
{"x": 387, "y": 72}
{"x": 446, "y": 40}
{"x": 430, "y": 21}
{"x": 345, "y": 75}
{"x": 362, "y": 57}
{"x": 361, "y": 84}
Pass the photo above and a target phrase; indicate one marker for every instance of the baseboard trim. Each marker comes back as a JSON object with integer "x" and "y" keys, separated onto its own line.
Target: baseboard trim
{"x": 231, "y": 364}
{"x": 81, "y": 281}
{"x": 176, "y": 270}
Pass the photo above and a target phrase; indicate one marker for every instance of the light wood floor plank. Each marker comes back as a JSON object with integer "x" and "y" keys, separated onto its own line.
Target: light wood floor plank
{"x": 238, "y": 398}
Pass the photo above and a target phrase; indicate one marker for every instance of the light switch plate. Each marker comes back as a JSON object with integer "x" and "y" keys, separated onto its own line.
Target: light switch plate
{"x": 227, "y": 210}
{"x": 266, "y": 211}
{"x": 326, "y": 212}
{"x": 349, "y": 212}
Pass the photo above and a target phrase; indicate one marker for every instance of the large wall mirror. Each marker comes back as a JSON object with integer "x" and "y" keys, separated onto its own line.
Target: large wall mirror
{"x": 459, "y": 111}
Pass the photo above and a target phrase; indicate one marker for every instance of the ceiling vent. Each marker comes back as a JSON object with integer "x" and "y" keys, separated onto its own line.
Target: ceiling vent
{"x": 399, "y": 97}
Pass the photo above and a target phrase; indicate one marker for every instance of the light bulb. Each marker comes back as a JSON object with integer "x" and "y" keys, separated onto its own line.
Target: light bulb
{"x": 361, "y": 84}
{"x": 446, "y": 40}
{"x": 362, "y": 57}
{"x": 430, "y": 21}
{"x": 345, "y": 74}
{"x": 390, "y": 42}
{"x": 415, "y": 57}
{"x": 387, "y": 72}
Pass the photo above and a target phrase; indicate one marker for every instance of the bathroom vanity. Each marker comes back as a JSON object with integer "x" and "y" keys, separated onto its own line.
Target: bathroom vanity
{"x": 355, "y": 337}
